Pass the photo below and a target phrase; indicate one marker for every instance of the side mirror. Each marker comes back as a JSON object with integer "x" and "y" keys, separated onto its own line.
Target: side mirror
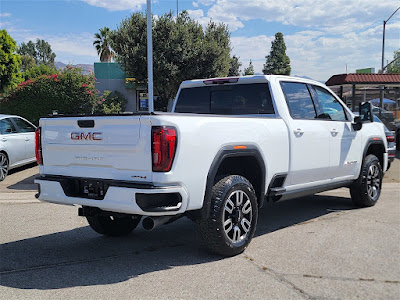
{"x": 366, "y": 112}
{"x": 357, "y": 125}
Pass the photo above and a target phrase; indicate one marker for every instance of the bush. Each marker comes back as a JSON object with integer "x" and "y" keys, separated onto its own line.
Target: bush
{"x": 110, "y": 103}
{"x": 69, "y": 92}
{"x": 38, "y": 70}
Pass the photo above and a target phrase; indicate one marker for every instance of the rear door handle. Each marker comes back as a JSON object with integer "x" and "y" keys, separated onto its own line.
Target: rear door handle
{"x": 27, "y": 139}
{"x": 4, "y": 139}
{"x": 334, "y": 132}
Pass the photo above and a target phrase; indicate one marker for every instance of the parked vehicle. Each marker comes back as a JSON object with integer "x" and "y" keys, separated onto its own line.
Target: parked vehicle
{"x": 398, "y": 136}
{"x": 387, "y": 117}
{"x": 229, "y": 146}
{"x": 17, "y": 143}
{"x": 390, "y": 138}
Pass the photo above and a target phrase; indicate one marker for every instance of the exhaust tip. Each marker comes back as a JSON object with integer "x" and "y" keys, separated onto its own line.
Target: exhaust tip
{"x": 148, "y": 223}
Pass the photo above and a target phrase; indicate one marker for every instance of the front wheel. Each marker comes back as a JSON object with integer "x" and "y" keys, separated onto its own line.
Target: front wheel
{"x": 365, "y": 191}
{"x": 113, "y": 225}
{"x": 233, "y": 216}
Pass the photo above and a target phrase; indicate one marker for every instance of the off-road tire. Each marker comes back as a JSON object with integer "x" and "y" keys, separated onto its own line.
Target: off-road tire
{"x": 243, "y": 216}
{"x": 365, "y": 191}
{"x": 113, "y": 225}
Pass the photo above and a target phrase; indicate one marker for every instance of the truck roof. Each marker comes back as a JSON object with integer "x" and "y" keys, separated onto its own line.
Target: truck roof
{"x": 241, "y": 79}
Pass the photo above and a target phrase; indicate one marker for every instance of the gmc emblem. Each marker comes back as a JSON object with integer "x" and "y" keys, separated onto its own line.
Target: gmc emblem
{"x": 90, "y": 136}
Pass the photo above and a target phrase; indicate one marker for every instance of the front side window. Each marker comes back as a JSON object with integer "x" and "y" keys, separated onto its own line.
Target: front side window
{"x": 238, "y": 99}
{"x": 23, "y": 125}
{"x": 329, "y": 105}
{"x": 299, "y": 100}
{"x": 7, "y": 127}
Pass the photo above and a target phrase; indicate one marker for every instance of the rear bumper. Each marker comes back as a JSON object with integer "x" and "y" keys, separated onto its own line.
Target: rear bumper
{"x": 121, "y": 197}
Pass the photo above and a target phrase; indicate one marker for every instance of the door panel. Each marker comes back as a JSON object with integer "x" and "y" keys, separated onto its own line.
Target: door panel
{"x": 12, "y": 142}
{"x": 309, "y": 151}
{"x": 345, "y": 149}
{"x": 27, "y": 132}
{"x": 309, "y": 136}
{"x": 345, "y": 142}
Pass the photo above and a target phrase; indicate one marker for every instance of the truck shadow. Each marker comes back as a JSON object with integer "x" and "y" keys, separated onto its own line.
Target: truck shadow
{"x": 80, "y": 257}
{"x": 26, "y": 184}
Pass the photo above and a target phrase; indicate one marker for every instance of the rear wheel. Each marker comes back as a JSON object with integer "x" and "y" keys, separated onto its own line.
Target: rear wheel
{"x": 4, "y": 164}
{"x": 365, "y": 191}
{"x": 233, "y": 216}
{"x": 113, "y": 225}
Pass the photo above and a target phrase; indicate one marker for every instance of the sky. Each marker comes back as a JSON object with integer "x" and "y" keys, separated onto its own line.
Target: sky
{"x": 323, "y": 37}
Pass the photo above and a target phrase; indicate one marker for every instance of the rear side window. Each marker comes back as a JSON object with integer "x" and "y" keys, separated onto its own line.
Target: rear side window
{"x": 23, "y": 125}
{"x": 299, "y": 100}
{"x": 7, "y": 127}
{"x": 238, "y": 99}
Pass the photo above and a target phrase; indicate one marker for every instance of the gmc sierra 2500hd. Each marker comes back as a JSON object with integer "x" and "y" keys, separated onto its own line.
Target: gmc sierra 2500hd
{"x": 228, "y": 146}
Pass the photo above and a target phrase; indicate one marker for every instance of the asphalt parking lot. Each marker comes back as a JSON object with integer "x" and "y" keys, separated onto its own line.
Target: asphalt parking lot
{"x": 318, "y": 247}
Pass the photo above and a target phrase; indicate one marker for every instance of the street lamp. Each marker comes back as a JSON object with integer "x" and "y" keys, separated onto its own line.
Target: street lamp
{"x": 383, "y": 39}
{"x": 383, "y": 59}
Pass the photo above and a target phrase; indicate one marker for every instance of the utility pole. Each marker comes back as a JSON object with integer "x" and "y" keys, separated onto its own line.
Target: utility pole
{"x": 150, "y": 58}
{"x": 383, "y": 60}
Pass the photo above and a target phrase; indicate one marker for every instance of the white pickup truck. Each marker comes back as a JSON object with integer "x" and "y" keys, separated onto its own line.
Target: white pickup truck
{"x": 228, "y": 146}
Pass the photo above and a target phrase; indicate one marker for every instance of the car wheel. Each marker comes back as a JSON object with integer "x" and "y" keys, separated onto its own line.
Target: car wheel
{"x": 113, "y": 225}
{"x": 4, "y": 164}
{"x": 365, "y": 191}
{"x": 233, "y": 216}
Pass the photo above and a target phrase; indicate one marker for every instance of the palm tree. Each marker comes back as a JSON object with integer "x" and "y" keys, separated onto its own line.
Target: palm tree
{"x": 102, "y": 44}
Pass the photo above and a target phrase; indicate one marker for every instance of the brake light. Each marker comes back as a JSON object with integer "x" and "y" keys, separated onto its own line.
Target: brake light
{"x": 163, "y": 147}
{"x": 390, "y": 138}
{"x": 38, "y": 145}
{"x": 221, "y": 80}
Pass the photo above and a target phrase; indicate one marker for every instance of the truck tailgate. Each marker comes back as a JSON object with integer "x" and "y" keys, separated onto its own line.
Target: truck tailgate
{"x": 109, "y": 147}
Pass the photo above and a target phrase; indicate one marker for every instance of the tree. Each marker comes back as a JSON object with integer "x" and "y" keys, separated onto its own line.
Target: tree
{"x": 394, "y": 67}
{"x": 27, "y": 62}
{"x": 277, "y": 62}
{"x": 249, "y": 70}
{"x": 40, "y": 51}
{"x": 181, "y": 50}
{"x": 102, "y": 44}
{"x": 9, "y": 62}
{"x": 234, "y": 69}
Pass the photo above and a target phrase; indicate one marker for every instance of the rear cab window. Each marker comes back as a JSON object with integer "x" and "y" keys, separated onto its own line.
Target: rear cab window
{"x": 231, "y": 99}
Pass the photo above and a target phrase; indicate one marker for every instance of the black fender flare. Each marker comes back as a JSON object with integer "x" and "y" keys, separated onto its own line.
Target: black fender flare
{"x": 227, "y": 152}
{"x": 373, "y": 141}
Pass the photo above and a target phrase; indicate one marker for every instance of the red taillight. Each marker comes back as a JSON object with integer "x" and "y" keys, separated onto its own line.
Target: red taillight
{"x": 390, "y": 138}
{"x": 38, "y": 146}
{"x": 163, "y": 147}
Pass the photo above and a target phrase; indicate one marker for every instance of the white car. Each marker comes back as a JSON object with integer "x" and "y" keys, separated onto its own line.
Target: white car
{"x": 17, "y": 143}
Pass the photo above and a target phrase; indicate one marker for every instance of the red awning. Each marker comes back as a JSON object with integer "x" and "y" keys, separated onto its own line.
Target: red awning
{"x": 363, "y": 79}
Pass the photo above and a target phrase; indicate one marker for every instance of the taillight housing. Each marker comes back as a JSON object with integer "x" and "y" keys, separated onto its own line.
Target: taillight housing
{"x": 38, "y": 145}
{"x": 163, "y": 147}
{"x": 390, "y": 138}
